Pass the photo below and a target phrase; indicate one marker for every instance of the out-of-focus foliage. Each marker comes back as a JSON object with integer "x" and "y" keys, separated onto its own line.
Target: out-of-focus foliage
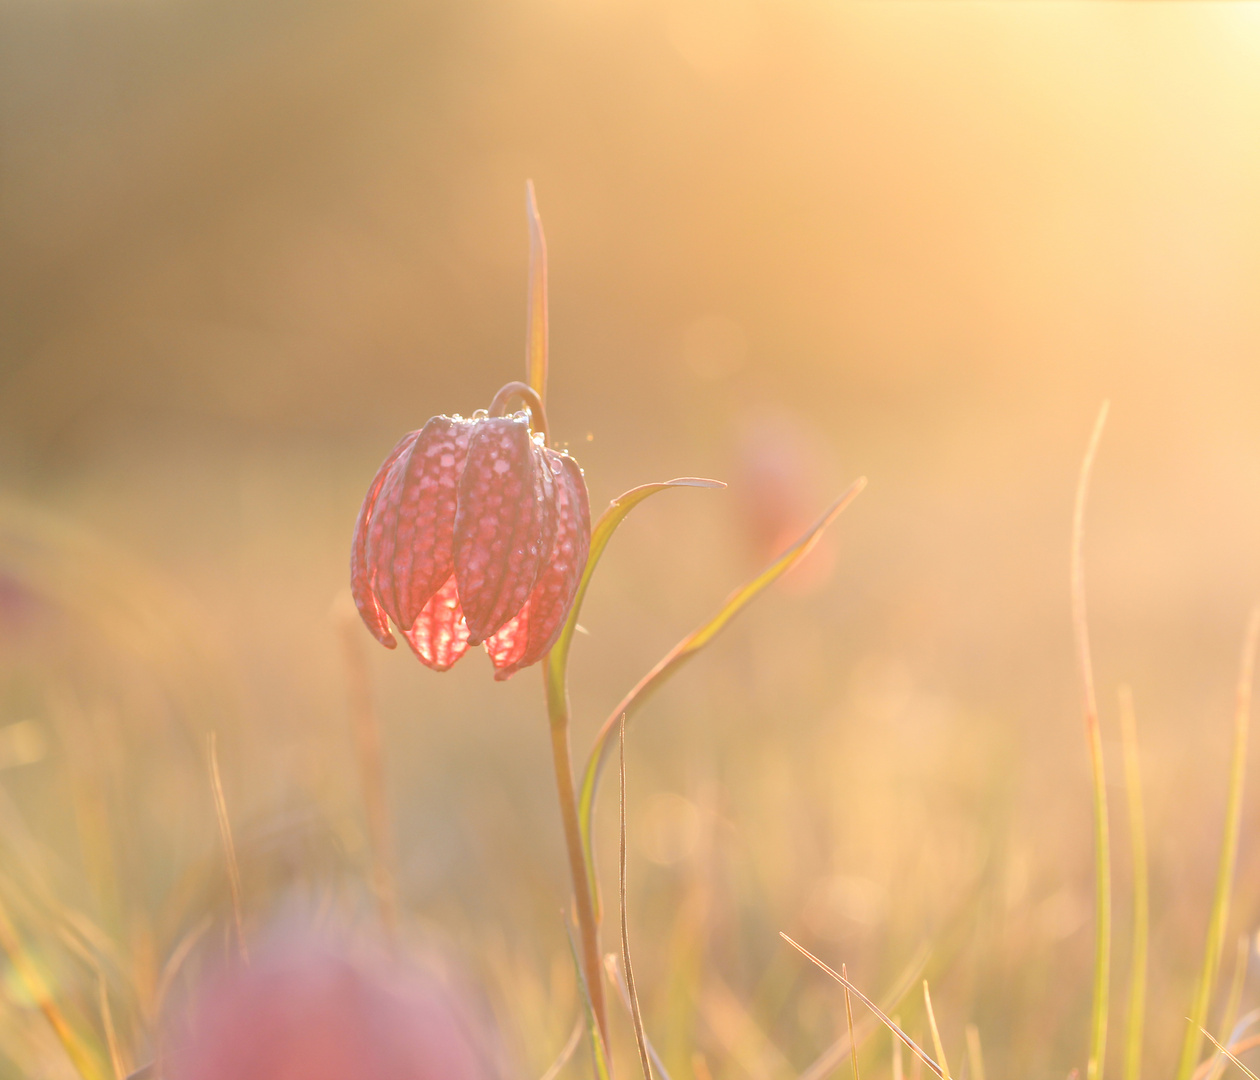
{"x": 244, "y": 247}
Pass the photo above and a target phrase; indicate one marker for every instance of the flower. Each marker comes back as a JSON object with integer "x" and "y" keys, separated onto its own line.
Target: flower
{"x": 473, "y": 532}
{"x": 318, "y": 1009}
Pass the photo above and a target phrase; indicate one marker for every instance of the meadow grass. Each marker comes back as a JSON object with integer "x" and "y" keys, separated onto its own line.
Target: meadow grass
{"x": 85, "y": 989}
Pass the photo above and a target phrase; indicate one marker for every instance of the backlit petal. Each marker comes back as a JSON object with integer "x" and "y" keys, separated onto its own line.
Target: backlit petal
{"x": 439, "y": 635}
{"x": 362, "y": 576}
{"x": 504, "y": 524}
{"x": 416, "y": 558}
{"x": 526, "y": 639}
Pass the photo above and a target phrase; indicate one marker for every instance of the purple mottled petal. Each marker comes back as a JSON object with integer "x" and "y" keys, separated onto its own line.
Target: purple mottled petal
{"x": 362, "y": 576}
{"x": 529, "y": 637}
{"x": 415, "y": 559}
{"x": 439, "y": 634}
{"x": 504, "y": 524}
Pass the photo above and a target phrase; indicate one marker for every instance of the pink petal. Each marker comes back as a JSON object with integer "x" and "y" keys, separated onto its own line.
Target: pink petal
{"x": 439, "y": 635}
{"x": 362, "y": 577}
{"x": 415, "y": 558}
{"x": 529, "y": 637}
{"x": 504, "y": 523}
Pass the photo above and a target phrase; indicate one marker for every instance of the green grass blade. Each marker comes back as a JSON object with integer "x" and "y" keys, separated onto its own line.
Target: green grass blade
{"x": 1141, "y": 888}
{"x": 936, "y": 1032}
{"x": 609, "y": 520}
{"x": 888, "y": 1022}
{"x": 1232, "y": 1004}
{"x": 603, "y": 1067}
{"x": 1102, "y": 837}
{"x": 83, "y": 1059}
{"x": 1229, "y": 1054}
{"x": 684, "y": 651}
{"x": 1219, "y": 917}
{"x": 636, "y": 1014}
{"x": 556, "y": 666}
{"x": 536, "y": 333}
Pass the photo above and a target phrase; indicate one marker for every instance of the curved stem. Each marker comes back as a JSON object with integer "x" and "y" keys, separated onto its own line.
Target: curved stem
{"x": 498, "y": 407}
{"x": 1093, "y": 735}
{"x": 588, "y": 929}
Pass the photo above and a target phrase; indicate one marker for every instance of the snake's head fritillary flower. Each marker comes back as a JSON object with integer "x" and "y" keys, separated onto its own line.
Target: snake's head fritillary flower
{"x": 473, "y": 532}
{"x": 318, "y": 1009}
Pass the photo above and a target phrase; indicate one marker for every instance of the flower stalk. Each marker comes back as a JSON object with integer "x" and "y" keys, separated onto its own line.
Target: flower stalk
{"x": 557, "y": 692}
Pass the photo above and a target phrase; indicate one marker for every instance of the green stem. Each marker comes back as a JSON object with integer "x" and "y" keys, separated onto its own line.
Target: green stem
{"x": 1102, "y": 903}
{"x": 1141, "y": 889}
{"x": 1093, "y": 735}
{"x": 1219, "y": 918}
{"x": 588, "y": 928}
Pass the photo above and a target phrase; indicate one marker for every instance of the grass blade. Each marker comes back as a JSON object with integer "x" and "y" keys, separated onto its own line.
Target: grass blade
{"x": 1216, "y": 1064}
{"x": 827, "y": 1062}
{"x": 974, "y": 1054}
{"x": 614, "y": 976}
{"x": 1229, "y": 1054}
{"x": 609, "y": 520}
{"x": 635, "y": 1014}
{"x": 1141, "y": 888}
{"x": 888, "y": 1022}
{"x": 556, "y": 667}
{"x": 603, "y": 1067}
{"x": 536, "y": 332}
{"x": 848, "y": 1013}
{"x": 107, "y": 1021}
{"x": 684, "y": 651}
{"x": 1102, "y": 839}
{"x": 566, "y": 1051}
{"x": 229, "y": 848}
{"x": 1219, "y": 917}
{"x": 936, "y": 1033}
{"x": 84, "y": 1061}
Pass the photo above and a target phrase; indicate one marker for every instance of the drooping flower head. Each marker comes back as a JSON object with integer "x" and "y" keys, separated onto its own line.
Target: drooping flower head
{"x": 474, "y": 531}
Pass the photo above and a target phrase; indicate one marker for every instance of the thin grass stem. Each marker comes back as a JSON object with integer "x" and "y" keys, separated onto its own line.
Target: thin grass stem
{"x": 76, "y": 1049}
{"x": 635, "y": 1014}
{"x": 1219, "y": 916}
{"x": 848, "y": 1013}
{"x": 584, "y": 909}
{"x": 566, "y": 1051}
{"x": 1093, "y": 735}
{"x": 1141, "y": 888}
{"x": 936, "y": 1033}
{"x": 107, "y": 1021}
{"x": 914, "y": 1047}
{"x": 1229, "y": 1054}
{"x": 229, "y": 848}
{"x": 974, "y": 1054}
{"x": 536, "y": 332}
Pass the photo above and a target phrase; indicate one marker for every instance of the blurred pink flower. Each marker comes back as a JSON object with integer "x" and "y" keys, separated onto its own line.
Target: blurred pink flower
{"x": 310, "y": 1010}
{"x": 777, "y": 485}
{"x": 473, "y": 531}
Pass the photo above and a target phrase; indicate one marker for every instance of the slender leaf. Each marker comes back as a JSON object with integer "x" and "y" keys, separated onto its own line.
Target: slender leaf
{"x": 888, "y": 1022}
{"x": 603, "y": 1068}
{"x": 76, "y": 1047}
{"x": 1141, "y": 888}
{"x": 1093, "y": 735}
{"x": 680, "y": 654}
{"x": 1219, "y": 917}
{"x": 936, "y": 1032}
{"x": 536, "y": 333}
{"x": 635, "y": 1014}
{"x": 609, "y": 520}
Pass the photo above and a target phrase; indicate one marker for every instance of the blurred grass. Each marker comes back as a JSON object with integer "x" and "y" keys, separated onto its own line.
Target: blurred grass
{"x": 246, "y": 246}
